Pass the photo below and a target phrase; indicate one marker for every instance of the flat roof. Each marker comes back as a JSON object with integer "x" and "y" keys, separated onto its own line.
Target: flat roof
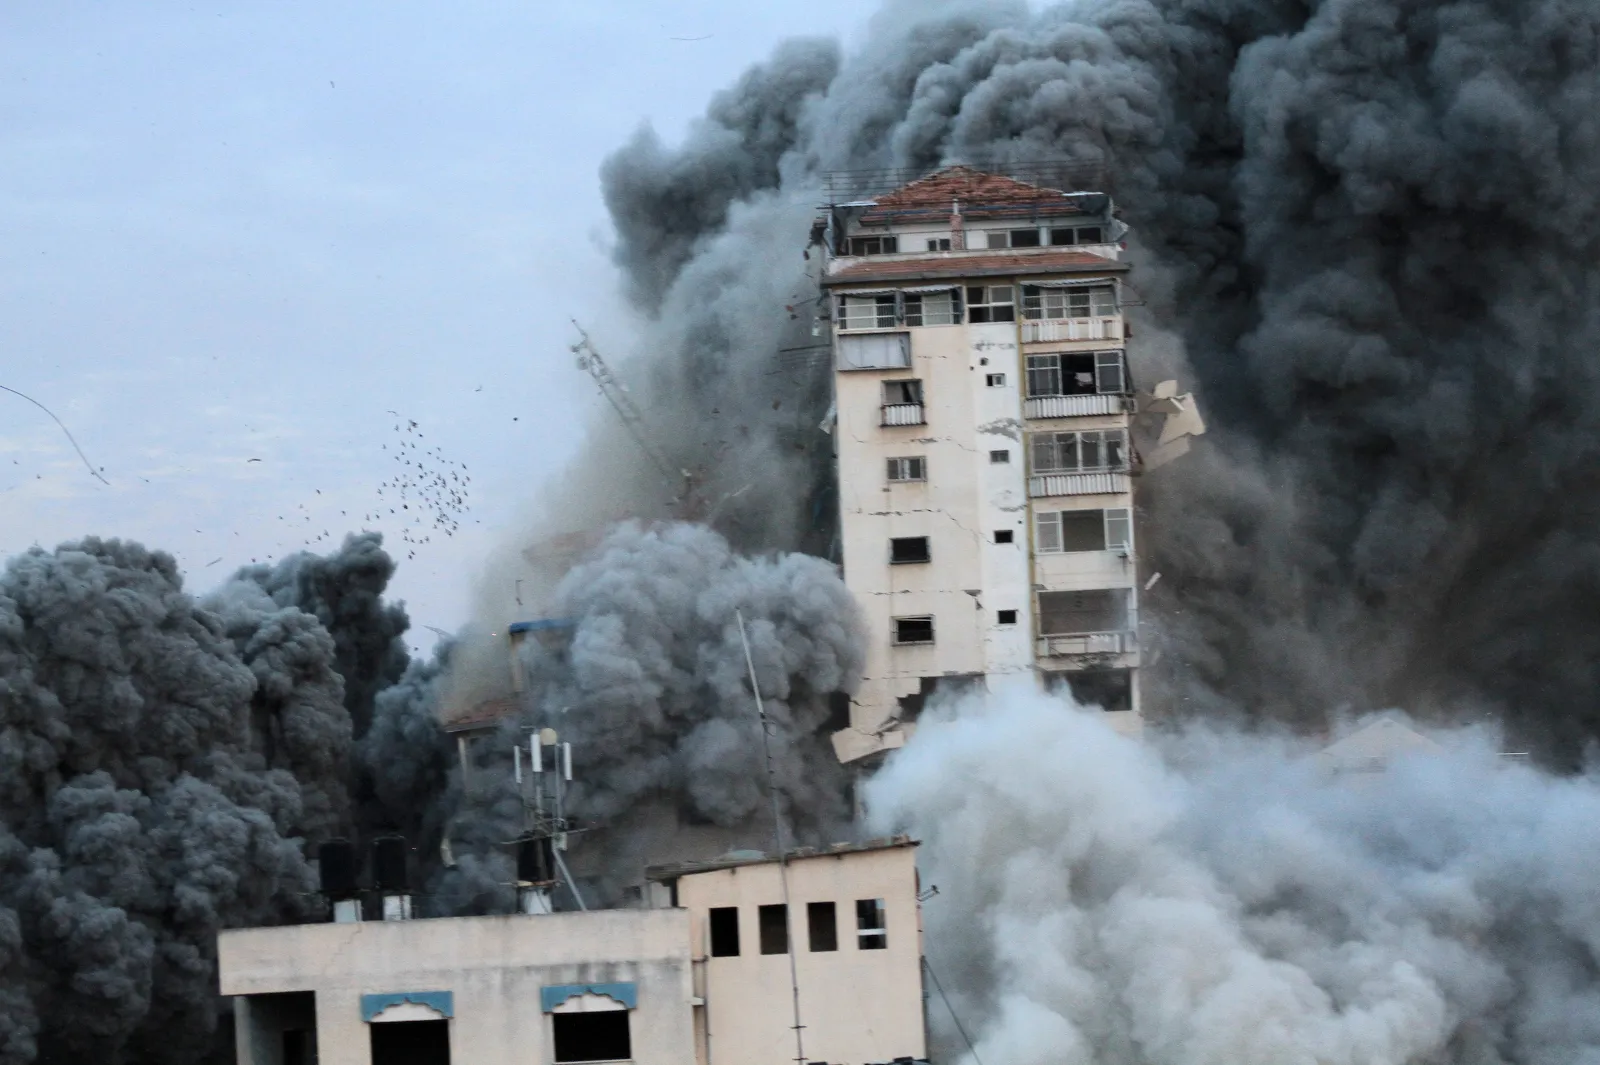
{"x": 956, "y": 265}
{"x": 739, "y": 859}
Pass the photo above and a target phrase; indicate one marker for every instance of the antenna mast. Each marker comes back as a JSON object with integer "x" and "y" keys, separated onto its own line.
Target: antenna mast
{"x": 617, "y": 395}
{"x": 540, "y": 865}
{"x": 777, "y": 838}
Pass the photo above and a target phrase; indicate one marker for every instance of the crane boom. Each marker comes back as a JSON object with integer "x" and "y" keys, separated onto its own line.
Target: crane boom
{"x": 616, "y": 394}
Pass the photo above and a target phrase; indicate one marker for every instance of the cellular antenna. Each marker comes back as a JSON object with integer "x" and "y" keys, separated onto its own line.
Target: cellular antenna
{"x": 545, "y": 827}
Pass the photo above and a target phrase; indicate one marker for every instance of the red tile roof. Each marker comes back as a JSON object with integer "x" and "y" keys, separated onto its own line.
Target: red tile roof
{"x": 486, "y": 714}
{"x": 971, "y": 264}
{"x": 976, "y": 191}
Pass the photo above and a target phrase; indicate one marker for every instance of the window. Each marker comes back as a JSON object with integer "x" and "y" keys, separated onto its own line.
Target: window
{"x": 1075, "y": 373}
{"x": 908, "y": 549}
{"x": 914, "y": 468}
{"x": 1078, "y": 235}
{"x": 1090, "y": 451}
{"x": 599, "y": 1036}
{"x": 1084, "y": 530}
{"x": 1007, "y": 617}
{"x": 876, "y": 311}
{"x": 874, "y": 245}
{"x": 414, "y": 1043}
{"x": 1092, "y": 610}
{"x": 874, "y": 351}
{"x": 1076, "y": 301}
{"x": 932, "y": 308}
{"x": 999, "y": 457}
{"x": 1015, "y": 238}
{"x": 904, "y": 390}
{"x": 871, "y": 929}
{"x": 913, "y": 630}
{"x": 1004, "y": 536}
{"x": 938, "y": 243}
{"x": 724, "y": 921}
{"x": 995, "y": 380}
{"x": 822, "y": 926}
{"x": 774, "y": 924}
{"x": 991, "y": 303}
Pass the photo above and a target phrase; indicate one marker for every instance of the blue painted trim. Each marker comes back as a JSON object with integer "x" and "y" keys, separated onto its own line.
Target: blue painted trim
{"x": 542, "y": 625}
{"x": 554, "y": 995}
{"x": 442, "y": 1002}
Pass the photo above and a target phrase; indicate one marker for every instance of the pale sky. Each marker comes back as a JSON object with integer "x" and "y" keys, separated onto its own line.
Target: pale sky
{"x": 248, "y": 230}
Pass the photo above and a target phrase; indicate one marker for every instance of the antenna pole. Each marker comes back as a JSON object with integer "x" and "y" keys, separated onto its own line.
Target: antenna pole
{"x": 777, "y": 837}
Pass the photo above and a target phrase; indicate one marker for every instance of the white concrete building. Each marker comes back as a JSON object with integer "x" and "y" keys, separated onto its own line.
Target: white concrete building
{"x": 984, "y": 407}
{"x": 701, "y": 978}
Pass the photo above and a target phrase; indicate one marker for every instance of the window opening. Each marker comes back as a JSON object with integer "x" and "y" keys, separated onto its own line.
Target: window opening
{"x": 913, "y": 630}
{"x": 905, "y": 390}
{"x": 871, "y": 929}
{"x": 1008, "y": 617}
{"x": 995, "y": 380}
{"x": 931, "y": 308}
{"x": 999, "y": 457}
{"x": 908, "y": 549}
{"x": 1109, "y": 689}
{"x": 1087, "y": 611}
{"x": 1089, "y": 451}
{"x": 1024, "y": 238}
{"x": 1078, "y": 235}
{"x": 411, "y": 1043}
{"x": 1075, "y": 373}
{"x": 1084, "y": 530}
{"x": 938, "y": 243}
{"x": 868, "y": 312}
{"x": 724, "y": 922}
{"x": 910, "y": 468}
{"x": 991, "y": 303}
{"x": 1004, "y": 536}
{"x": 1077, "y": 301}
{"x": 598, "y": 1036}
{"x": 823, "y": 926}
{"x": 879, "y": 245}
{"x": 774, "y": 924}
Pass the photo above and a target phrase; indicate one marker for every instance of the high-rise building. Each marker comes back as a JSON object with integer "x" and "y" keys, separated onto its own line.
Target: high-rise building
{"x": 983, "y": 413}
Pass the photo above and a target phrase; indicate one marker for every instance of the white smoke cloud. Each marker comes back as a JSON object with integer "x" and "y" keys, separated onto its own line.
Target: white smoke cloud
{"x": 1214, "y": 898}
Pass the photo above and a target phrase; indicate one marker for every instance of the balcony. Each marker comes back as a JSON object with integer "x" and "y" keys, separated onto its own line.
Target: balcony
{"x": 1065, "y": 645}
{"x": 1073, "y": 406}
{"x": 903, "y": 414}
{"x": 1076, "y": 484}
{"x": 1100, "y": 328}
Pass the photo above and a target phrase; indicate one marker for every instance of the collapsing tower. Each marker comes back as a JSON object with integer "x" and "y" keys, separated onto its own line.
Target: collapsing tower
{"x": 984, "y": 407}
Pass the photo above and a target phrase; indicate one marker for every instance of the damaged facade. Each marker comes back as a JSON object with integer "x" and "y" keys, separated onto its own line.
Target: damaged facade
{"x": 983, "y": 406}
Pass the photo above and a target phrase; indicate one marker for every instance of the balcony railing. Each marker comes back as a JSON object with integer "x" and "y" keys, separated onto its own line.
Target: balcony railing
{"x": 903, "y": 414}
{"x": 1073, "y": 406}
{"x": 1103, "y": 328}
{"x": 1076, "y": 484}
{"x": 1061, "y": 645}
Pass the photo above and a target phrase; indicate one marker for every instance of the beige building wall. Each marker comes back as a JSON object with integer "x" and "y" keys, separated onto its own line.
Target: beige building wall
{"x": 494, "y": 968}
{"x": 857, "y": 1005}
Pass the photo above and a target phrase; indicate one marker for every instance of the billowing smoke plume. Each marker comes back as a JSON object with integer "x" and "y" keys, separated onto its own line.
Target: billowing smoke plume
{"x": 1226, "y": 900}
{"x": 1371, "y": 227}
{"x": 650, "y": 685}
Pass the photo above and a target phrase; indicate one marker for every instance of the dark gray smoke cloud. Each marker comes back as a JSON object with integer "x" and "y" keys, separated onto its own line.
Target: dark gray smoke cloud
{"x": 1219, "y": 897}
{"x": 1371, "y": 228}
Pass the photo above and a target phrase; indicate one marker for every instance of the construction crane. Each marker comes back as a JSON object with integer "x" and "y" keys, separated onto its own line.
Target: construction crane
{"x": 616, "y": 393}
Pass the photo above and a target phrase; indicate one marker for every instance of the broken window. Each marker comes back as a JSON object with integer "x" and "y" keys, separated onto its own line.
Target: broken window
{"x": 1109, "y": 689}
{"x": 724, "y": 921}
{"x": 823, "y": 927}
{"x": 1078, "y": 235}
{"x": 932, "y": 308}
{"x": 999, "y": 457}
{"x": 913, "y": 630}
{"x": 599, "y": 1036}
{"x": 773, "y": 922}
{"x": 411, "y": 1043}
{"x": 1083, "y": 530}
{"x": 1079, "y": 613}
{"x": 904, "y": 390}
{"x": 909, "y": 549}
{"x": 938, "y": 243}
{"x": 1089, "y": 451}
{"x": 871, "y": 929}
{"x": 1075, "y": 373}
{"x": 1075, "y": 301}
{"x": 875, "y": 311}
{"x": 880, "y": 245}
{"x": 1007, "y": 617}
{"x": 910, "y": 468}
{"x": 1003, "y": 536}
{"x": 991, "y": 303}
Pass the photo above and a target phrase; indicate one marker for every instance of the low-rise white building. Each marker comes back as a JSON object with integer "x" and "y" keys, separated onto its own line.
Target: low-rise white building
{"x": 699, "y": 977}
